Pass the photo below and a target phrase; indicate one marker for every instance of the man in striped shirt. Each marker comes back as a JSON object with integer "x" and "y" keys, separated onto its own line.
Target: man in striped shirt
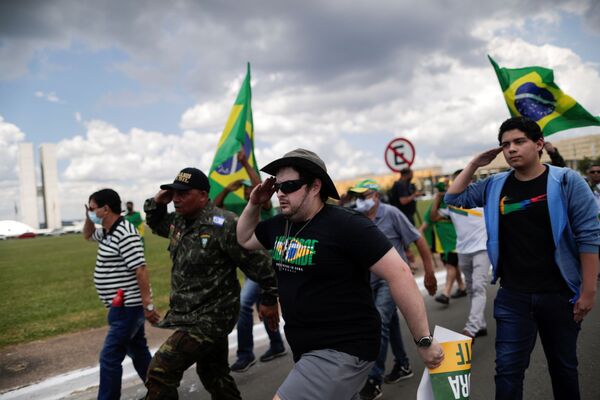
{"x": 122, "y": 283}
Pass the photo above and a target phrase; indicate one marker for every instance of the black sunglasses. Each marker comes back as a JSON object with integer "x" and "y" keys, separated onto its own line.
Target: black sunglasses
{"x": 288, "y": 187}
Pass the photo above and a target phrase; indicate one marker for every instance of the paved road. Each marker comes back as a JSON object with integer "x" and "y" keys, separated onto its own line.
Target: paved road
{"x": 262, "y": 380}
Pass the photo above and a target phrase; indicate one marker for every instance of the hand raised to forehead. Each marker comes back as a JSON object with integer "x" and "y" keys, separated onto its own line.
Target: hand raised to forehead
{"x": 263, "y": 192}
{"x": 486, "y": 157}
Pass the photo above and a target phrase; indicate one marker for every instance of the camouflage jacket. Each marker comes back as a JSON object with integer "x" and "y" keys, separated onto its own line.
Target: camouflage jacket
{"x": 205, "y": 292}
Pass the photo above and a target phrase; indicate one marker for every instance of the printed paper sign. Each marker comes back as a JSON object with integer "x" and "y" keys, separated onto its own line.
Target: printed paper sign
{"x": 452, "y": 379}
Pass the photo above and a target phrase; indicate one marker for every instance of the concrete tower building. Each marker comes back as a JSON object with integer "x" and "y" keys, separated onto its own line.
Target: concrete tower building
{"x": 50, "y": 186}
{"x": 28, "y": 190}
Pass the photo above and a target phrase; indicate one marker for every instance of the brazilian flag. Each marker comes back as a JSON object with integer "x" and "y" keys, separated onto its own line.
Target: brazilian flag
{"x": 238, "y": 134}
{"x": 532, "y": 93}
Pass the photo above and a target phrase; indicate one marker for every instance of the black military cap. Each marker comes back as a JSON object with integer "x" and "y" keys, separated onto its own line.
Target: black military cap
{"x": 188, "y": 178}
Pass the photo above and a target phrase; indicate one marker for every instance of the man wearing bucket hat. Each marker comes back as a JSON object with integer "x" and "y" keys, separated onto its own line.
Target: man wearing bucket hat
{"x": 401, "y": 233}
{"x": 323, "y": 255}
{"x": 204, "y": 298}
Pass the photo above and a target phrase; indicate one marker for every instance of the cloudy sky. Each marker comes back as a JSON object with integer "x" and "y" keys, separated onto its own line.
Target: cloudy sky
{"x": 131, "y": 92}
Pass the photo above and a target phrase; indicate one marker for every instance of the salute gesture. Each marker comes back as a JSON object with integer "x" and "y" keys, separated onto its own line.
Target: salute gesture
{"x": 486, "y": 157}
{"x": 263, "y": 191}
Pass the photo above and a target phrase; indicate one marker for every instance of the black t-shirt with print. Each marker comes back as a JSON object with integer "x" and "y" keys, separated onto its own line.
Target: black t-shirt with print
{"x": 526, "y": 245}
{"x": 323, "y": 276}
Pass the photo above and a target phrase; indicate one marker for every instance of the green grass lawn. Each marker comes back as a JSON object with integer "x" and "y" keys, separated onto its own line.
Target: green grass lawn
{"x": 47, "y": 288}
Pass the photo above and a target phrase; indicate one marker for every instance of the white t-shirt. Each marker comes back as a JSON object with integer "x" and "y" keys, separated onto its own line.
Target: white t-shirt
{"x": 469, "y": 224}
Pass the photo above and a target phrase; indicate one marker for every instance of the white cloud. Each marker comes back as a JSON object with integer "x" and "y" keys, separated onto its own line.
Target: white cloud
{"x": 51, "y": 97}
{"x": 10, "y": 137}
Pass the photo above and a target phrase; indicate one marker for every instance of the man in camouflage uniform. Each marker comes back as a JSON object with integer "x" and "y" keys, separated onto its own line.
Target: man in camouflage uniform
{"x": 204, "y": 299}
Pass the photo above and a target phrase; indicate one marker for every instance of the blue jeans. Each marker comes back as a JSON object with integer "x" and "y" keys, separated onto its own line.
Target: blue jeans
{"x": 249, "y": 297}
{"x": 125, "y": 338}
{"x": 519, "y": 317}
{"x": 390, "y": 330}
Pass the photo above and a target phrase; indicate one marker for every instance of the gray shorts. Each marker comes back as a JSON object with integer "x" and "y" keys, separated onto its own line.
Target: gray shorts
{"x": 326, "y": 375}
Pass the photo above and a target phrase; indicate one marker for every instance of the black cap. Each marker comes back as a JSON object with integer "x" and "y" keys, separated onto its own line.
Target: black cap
{"x": 188, "y": 178}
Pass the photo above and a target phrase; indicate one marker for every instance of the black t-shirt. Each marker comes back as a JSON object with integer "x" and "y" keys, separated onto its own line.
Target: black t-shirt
{"x": 403, "y": 189}
{"x": 526, "y": 244}
{"x": 323, "y": 276}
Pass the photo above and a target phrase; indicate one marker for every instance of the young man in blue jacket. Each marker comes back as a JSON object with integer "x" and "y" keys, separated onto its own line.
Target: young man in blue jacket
{"x": 543, "y": 238}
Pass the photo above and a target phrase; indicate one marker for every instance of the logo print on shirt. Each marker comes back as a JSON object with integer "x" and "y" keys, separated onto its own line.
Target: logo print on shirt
{"x": 465, "y": 211}
{"x": 294, "y": 251}
{"x": 507, "y": 208}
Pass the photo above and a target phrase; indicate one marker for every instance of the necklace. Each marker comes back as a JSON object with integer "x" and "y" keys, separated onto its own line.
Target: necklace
{"x": 288, "y": 232}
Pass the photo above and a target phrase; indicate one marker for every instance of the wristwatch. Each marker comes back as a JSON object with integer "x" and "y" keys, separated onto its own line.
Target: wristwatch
{"x": 150, "y": 307}
{"x": 425, "y": 341}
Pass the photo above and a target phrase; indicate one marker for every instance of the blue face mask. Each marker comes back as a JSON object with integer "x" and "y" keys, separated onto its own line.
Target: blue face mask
{"x": 365, "y": 205}
{"x": 94, "y": 218}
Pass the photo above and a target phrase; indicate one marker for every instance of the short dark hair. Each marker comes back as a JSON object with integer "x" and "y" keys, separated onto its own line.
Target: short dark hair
{"x": 594, "y": 164}
{"x": 405, "y": 171}
{"x": 309, "y": 178}
{"x": 529, "y": 127}
{"x": 129, "y": 202}
{"x": 107, "y": 197}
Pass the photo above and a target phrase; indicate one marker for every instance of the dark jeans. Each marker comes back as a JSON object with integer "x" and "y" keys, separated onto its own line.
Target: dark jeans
{"x": 125, "y": 337}
{"x": 248, "y": 298}
{"x": 178, "y": 353}
{"x": 390, "y": 330}
{"x": 519, "y": 317}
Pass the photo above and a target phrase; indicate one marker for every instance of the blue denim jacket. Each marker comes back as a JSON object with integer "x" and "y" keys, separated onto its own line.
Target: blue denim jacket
{"x": 575, "y": 226}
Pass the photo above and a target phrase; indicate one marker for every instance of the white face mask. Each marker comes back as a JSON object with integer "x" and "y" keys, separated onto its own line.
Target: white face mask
{"x": 94, "y": 218}
{"x": 365, "y": 205}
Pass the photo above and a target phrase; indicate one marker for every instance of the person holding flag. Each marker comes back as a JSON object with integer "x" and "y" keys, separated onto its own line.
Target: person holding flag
{"x": 233, "y": 175}
{"x": 250, "y": 295}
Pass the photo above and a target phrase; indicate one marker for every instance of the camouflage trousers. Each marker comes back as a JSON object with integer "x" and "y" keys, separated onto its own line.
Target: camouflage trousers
{"x": 178, "y": 353}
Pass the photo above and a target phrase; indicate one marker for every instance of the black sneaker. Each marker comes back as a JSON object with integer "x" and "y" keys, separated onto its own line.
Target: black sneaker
{"x": 399, "y": 373}
{"x": 242, "y": 365}
{"x": 442, "y": 298}
{"x": 272, "y": 354}
{"x": 370, "y": 391}
{"x": 459, "y": 293}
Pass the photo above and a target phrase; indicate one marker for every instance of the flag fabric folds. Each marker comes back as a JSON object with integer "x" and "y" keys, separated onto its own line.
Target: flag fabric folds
{"x": 238, "y": 134}
{"x": 532, "y": 93}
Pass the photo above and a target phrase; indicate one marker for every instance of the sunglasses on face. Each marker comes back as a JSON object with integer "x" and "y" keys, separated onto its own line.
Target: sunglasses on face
{"x": 288, "y": 187}
{"x": 595, "y": 171}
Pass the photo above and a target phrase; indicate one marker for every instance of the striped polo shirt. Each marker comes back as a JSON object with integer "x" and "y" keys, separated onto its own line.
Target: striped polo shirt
{"x": 120, "y": 253}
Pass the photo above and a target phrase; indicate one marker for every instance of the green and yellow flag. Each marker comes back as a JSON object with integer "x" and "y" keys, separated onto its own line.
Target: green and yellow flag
{"x": 532, "y": 93}
{"x": 238, "y": 133}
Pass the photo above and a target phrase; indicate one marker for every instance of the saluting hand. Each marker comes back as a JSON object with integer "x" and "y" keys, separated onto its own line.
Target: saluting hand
{"x": 263, "y": 191}
{"x": 486, "y": 157}
{"x": 164, "y": 196}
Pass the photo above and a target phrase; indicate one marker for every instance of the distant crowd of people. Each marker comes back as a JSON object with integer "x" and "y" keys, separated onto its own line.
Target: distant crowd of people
{"x": 339, "y": 268}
